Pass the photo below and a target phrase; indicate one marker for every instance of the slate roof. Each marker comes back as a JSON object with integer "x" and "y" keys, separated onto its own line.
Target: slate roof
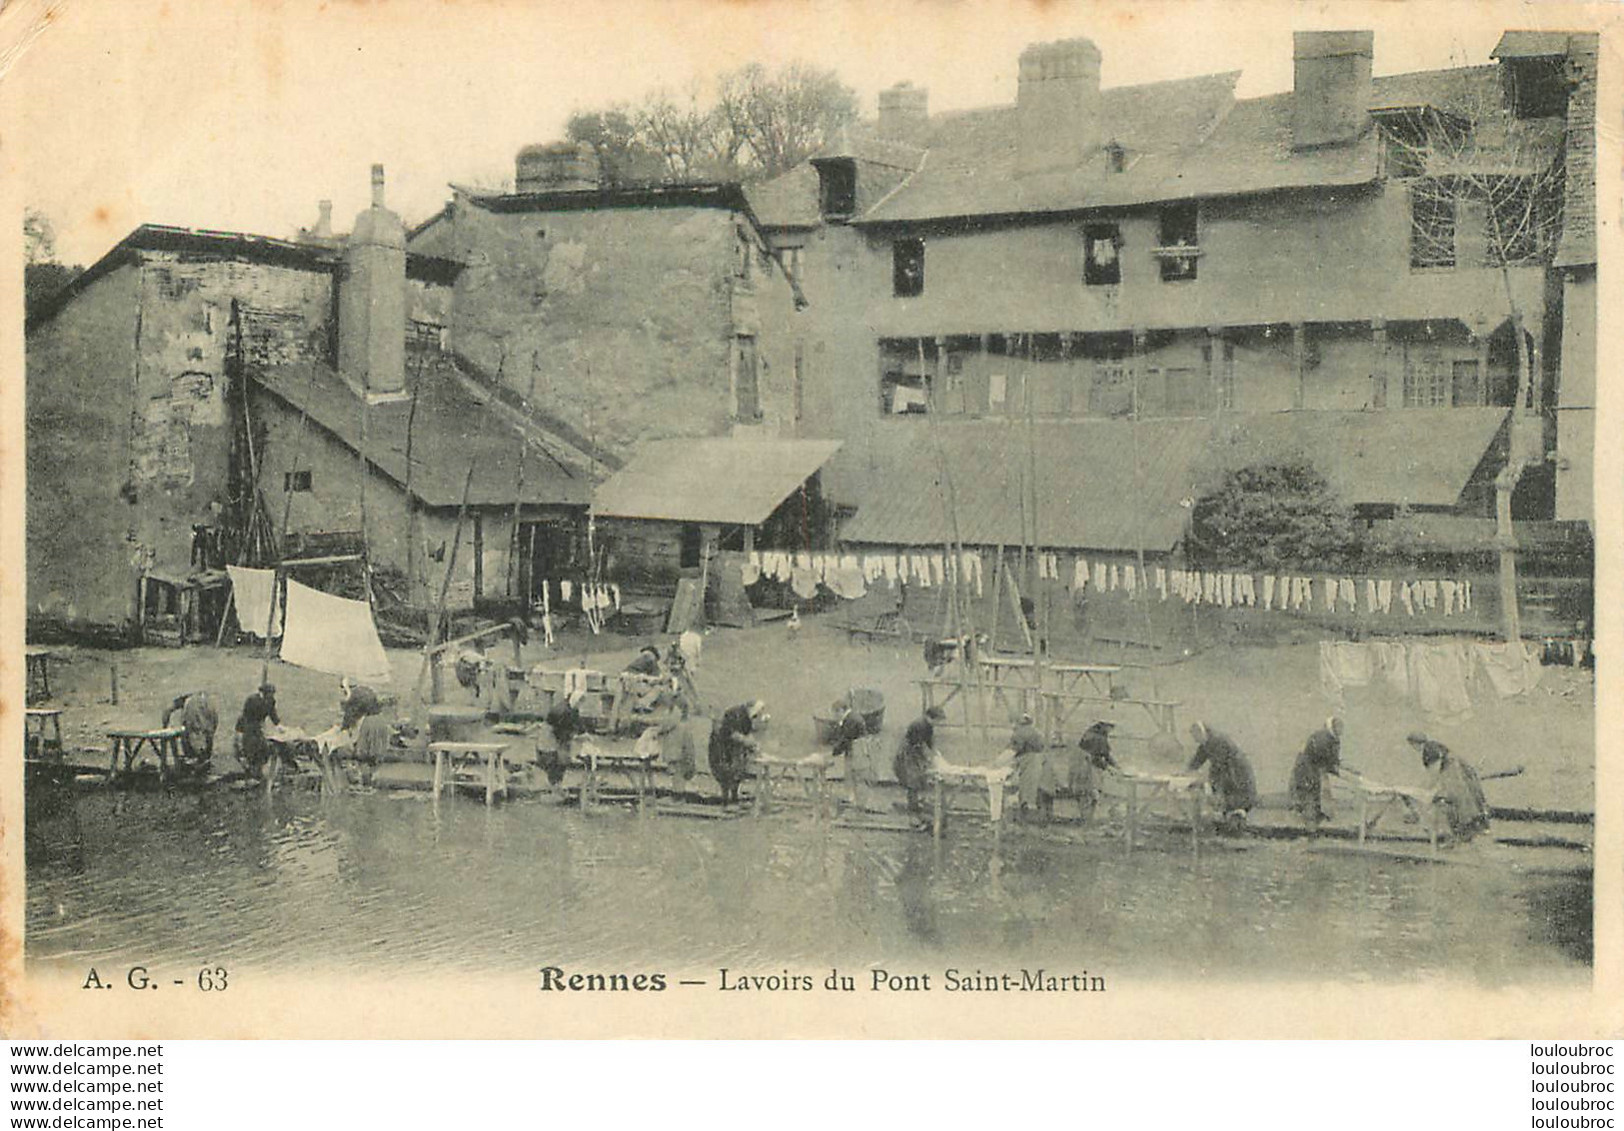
{"x": 452, "y": 426}
{"x": 734, "y": 481}
{"x": 229, "y": 245}
{"x": 1117, "y": 485}
{"x": 1184, "y": 138}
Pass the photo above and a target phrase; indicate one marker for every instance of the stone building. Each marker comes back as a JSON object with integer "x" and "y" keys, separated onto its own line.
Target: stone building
{"x": 1266, "y": 266}
{"x": 192, "y": 388}
{"x": 624, "y": 315}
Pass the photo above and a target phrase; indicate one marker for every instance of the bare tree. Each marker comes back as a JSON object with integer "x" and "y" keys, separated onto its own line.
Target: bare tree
{"x": 682, "y": 132}
{"x": 760, "y": 123}
{"x": 39, "y": 236}
{"x": 786, "y": 116}
{"x": 1476, "y": 169}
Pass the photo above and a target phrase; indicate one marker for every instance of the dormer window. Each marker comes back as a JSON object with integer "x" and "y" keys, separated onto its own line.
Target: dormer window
{"x": 837, "y": 188}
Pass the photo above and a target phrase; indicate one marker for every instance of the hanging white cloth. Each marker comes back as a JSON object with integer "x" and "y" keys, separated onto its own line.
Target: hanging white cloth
{"x": 1345, "y": 594}
{"x": 1268, "y": 591}
{"x": 1370, "y": 596}
{"x": 253, "y": 592}
{"x": 333, "y": 634}
{"x": 1384, "y": 594}
{"x": 1246, "y": 590}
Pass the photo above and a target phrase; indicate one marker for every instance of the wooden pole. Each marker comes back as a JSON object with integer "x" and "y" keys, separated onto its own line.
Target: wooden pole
{"x": 966, "y": 625}
{"x": 518, "y": 494}
{"x": 445, "y": 585}
{"x": 287, "y": 513}
{"x": 411, "y": 500}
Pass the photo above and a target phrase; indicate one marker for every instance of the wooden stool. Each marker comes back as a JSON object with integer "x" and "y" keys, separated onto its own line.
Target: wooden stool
{"x": 38, "y": 661}
{"x": 42, "y": 730}
{"x": 446, "y": 770}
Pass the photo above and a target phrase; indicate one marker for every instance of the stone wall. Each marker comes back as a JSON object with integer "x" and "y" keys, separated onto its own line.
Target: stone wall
{"x": 623, "y": 322}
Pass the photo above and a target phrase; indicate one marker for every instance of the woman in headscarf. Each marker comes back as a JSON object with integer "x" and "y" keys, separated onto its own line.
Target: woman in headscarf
{"x": 850, "y": 731}
{"x": 1035, "y": 777}
{"x": 1321, "y": 755}
{"x": 1457, "y": 789}
{"x": 358, "y": 702}
{"x": 669, "y": 740}
{"x": 553, "y": 748}
{"x": 198, "y": 721}
{"x": 914, "y": 756}
{"x": 1228, "y": 772}
{"x": 732, "y": 742}
{"x": 1092, "y": 758}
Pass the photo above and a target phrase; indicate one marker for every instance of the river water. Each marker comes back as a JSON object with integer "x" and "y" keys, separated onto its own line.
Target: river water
{"x": 381, "y": 882}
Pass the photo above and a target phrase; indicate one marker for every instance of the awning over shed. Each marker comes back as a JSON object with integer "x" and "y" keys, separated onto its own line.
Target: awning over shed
{"x": 727, "y": 481}
{"x": 1117, "y": 485}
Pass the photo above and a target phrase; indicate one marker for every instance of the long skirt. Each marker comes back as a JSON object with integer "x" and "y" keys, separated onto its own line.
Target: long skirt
{"x": 728, "y": 759}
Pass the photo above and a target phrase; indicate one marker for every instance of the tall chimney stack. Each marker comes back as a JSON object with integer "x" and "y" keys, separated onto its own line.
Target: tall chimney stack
{"x": 563, "y": 166}
{"x": 1330, "y": 102}
{"x": 904, "y": 112}
{"x": 372, "y": 299}
{"x": 1057, "y": 105}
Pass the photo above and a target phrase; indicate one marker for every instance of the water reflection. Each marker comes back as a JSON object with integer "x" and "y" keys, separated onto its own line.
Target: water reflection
{"x": 384, "y": 881}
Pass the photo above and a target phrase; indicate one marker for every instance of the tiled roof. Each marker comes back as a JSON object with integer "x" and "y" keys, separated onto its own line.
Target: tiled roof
{"x": 451, "y": 428}
{"x": 1118, "y": 485}
{"x": 735, "y": 481}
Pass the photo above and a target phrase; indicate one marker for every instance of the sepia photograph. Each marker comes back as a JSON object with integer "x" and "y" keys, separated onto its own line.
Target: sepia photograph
{"x": 723, "y": 504}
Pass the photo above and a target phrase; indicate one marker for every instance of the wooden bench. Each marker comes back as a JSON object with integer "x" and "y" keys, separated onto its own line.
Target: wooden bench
{"x": 595, "y": 761}
{"x": 996, "y": 780}
{"x": 164, "y": 743}
{"x": 812, "y": 771}
{"x": 1143, "y": 788}
{"x": 1375, "y": 799}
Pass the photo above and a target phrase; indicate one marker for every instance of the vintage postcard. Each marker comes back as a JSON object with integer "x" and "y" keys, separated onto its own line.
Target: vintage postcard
{"x": 766, "y": 519}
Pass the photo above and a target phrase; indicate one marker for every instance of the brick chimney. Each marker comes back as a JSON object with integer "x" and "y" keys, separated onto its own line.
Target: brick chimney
{"x": 1057, "y": 105}
{"x": 563, "y": 166}
{"x": 372, "y": 299}
{"x": 324, "y": 220}
{"x": 1330, "y": 102}
{"x": 904, "y": 112}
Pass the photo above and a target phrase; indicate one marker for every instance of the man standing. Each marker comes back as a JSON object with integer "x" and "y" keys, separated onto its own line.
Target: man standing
{"x": 1457, "y": 788}
{"x": 253, "y": 751}
{"x": 1320, "y": 756}
{"x": 1228, "y": 772}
